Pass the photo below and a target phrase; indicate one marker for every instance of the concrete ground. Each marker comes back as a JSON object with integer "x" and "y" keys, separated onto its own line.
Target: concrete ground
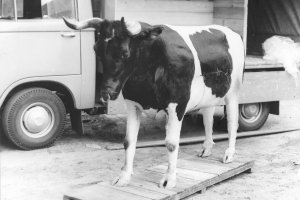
{"x": 82, "y": 160}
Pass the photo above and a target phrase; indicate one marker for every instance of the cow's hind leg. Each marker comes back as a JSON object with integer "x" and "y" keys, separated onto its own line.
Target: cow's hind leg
{"x": 173, "y": 128}
{"x": 232, "y": 108}
{"x": 133, "y": 124}
{"x": 208, "y": 119}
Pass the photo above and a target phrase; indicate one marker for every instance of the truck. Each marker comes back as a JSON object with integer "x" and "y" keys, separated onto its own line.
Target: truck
{"x": 49, "y": 70}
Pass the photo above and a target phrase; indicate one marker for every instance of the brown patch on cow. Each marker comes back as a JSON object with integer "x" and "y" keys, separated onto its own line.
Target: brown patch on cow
{"x": 126, "y": 144}
{"x": 159, "y": 73}
{"x": 171, "y": 147}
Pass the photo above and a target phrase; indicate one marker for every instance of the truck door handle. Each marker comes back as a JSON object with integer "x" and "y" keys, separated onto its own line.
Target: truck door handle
{"x": 68, "y": 35}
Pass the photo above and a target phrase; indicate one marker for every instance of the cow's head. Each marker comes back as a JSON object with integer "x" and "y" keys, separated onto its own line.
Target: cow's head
{"x": 116, "y": 47}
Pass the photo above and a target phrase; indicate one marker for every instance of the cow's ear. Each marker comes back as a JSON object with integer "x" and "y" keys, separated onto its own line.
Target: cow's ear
{"x": 151, "y": 32}
{"x": 155, "y": 31}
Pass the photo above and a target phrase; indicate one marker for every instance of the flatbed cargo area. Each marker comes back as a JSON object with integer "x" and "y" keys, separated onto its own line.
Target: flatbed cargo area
{"x": 255, "y": 62}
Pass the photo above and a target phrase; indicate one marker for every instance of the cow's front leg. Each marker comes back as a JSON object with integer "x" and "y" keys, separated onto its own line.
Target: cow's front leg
{"x": 232, "y": 109}
{"x": 173, "y": 128}
{"x": 133, "y": 124}
{"x": 208, "y": 120}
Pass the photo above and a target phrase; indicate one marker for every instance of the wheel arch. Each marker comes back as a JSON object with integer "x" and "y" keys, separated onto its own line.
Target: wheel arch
{"x": 62, "y": 91}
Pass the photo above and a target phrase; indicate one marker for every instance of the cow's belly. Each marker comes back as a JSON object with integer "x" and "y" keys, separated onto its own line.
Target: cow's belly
{"x": 201, "y": 96}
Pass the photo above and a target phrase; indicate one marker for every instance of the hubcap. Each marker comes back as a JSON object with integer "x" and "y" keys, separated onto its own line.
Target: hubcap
{"x": 251, "y": 112}
{"x": 37, "y": 120}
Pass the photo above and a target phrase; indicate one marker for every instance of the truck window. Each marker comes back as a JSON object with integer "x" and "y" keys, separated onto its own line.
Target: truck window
{"x": 7, "y": 9}
{"x": 45, "y": 9}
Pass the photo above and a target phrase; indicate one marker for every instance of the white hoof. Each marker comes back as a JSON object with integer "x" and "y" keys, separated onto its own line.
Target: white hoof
{"x": 122, "y": 180}
{"x": 229, "y": 155}
{"x": 168, "y": 181}
{"x": 206, "y": 149}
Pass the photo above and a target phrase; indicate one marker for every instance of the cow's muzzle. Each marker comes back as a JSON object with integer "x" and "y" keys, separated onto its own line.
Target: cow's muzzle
{"x": 106, "y": 95}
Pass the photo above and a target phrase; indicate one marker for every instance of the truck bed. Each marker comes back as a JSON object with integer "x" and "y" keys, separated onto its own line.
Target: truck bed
{"x": 266, "y": 81}
{"x": 257, "y": 62}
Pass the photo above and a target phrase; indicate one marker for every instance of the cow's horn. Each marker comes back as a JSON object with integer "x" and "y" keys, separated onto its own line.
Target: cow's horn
{"x": 88, "y": 23}
{"x": 133, "y": 27}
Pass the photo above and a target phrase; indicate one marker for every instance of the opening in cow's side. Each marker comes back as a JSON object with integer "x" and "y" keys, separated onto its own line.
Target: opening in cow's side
{"x": 267, "y": 18}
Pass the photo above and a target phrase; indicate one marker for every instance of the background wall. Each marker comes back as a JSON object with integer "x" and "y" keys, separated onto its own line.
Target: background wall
{"x": 175, "y": 12}
{"x": 230, "y": 13}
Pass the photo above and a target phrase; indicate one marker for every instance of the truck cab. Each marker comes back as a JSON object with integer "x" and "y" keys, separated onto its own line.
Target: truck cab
{"x": 47, "y": 70}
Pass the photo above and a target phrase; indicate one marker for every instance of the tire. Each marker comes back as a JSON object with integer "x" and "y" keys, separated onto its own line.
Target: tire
{"x": 34, "y": 118}
{"x": 253, "y": 116}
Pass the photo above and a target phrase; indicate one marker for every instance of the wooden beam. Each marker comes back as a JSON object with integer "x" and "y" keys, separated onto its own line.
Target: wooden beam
{"x": 198, "y": 139}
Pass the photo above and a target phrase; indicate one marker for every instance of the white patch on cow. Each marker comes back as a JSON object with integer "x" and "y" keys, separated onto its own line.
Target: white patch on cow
{"x": 208, "y": 120}
{"x": 173, "y": 128}
{"x": 133, "y": 27}
{"x": 107, "y": 39}
{"x": 159, "y": 73}
{"x": 133, "y": 124}
{"x": 236, "y": 50}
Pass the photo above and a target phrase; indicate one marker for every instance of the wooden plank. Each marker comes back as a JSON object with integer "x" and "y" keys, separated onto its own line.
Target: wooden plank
{"x": 256, "y": 62}
{"x": 202, "y": 166}
{"x": 185, "y": 173}
{"x": 182, "y": 18}
{"x": 144, "y": 183}
{"x": 198, "y": 139}
{"x": 164, "y": 6}
{"x": 99, "y": 192}
{"x": 137, "y": 190}
{"x": 217, "y": 161}
{"x": 109, "y": 9}
{"x": 229, "y": 13}
{"x": 213, "y": 162}
{"x": 155, "y": 177}
{"x": 235, "y": 24}
{"x": 201, "y": 185}
{"x": 218, "y": 21}
{"x": 150, "y": 186}
{"x": 229, "y": 3}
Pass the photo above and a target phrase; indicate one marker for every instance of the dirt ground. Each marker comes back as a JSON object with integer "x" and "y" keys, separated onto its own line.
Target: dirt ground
{"x": 81, "y": 160}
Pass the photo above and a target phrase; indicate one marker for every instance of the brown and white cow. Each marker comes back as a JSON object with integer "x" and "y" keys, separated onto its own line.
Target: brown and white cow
{"x": 177, "y": 69}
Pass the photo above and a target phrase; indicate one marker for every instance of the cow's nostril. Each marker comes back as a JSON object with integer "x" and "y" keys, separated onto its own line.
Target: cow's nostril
{"x": 125, "y": 54}
{"x": 102, "y": 101}
{"x": 104, "y": 97}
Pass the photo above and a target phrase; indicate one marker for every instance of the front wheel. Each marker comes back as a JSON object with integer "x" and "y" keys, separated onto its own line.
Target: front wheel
{"x": 253, "y": 116}
{"x": 34, "y": 118}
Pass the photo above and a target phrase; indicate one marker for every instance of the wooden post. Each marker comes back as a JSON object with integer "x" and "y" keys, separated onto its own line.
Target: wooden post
{"x": 108, "y": 9}
{"x": 245, "y": 24}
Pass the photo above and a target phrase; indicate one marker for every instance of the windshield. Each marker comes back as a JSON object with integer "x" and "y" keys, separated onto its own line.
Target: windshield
{"x": 38, "y": 9}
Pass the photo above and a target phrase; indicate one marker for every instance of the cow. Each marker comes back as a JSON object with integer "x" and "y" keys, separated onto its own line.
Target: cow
{"x": 176, "y": 69}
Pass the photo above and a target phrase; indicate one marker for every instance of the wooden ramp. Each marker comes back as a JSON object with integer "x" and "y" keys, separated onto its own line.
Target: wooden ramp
{"x": 193, "y": 175}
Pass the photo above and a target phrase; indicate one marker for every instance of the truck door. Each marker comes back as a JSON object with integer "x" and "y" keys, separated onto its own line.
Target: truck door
{"x": 36, "y": 42}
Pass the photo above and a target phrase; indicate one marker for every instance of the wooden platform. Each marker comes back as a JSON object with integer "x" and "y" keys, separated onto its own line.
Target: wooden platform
{"x": 193, "y": 175}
